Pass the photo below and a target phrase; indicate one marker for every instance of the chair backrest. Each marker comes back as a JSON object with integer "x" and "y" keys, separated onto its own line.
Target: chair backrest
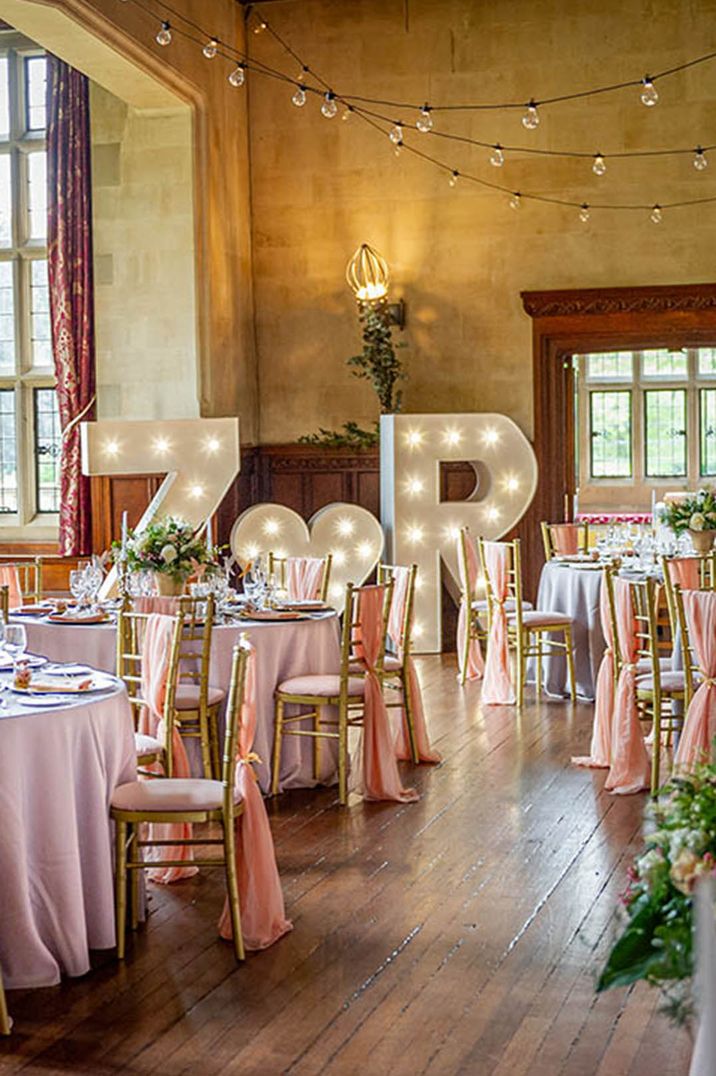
{"x": 608, "y": 577}
{"x": 23, "y": 579}
{"x": 400, "y": 619}
{"x": 688, "y": 658}
{"x": 468, "y": 559}
{"x": 513, "y": 578}
{"x": 564, "y": 538}
{"x": 237, "y": 696}
{"x": 644, "y": 596}
{"x": 195, "y": 649}
{"x": 4, "y": 602}
{"x": 279, "y": 567}
{"x": 358, "y": 601}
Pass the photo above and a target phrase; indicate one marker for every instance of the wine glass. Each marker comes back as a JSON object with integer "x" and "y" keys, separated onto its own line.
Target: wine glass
{"x": 77, "y": 585}
{"x": 16, "y": 640}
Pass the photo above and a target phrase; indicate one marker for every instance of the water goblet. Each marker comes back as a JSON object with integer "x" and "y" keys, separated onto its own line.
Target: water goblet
{"x": 15, "y": 640}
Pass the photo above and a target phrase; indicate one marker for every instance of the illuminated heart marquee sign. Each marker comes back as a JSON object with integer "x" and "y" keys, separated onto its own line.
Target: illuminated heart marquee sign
{"x": 200, "y": 458}
{"x": 420, "y": 528}
{"x": 351, "y": 534}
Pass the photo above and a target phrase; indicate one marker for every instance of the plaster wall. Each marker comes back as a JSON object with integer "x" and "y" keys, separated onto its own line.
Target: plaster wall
{"x": 461, "y": 257}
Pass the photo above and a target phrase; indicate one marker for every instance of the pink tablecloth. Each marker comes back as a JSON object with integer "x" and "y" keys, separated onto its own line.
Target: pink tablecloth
{"x": 282, "y": 651}
{"x": 58, "y": 769}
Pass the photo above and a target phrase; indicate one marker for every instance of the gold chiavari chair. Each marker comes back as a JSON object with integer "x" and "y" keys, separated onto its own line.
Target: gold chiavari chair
{"x": 277, "y": 567}
{"x": 608, "y": 577}
{"x": 527, "y": 629}
{"x": 690, "y": 665}
{"x": 552, "y": 532}
{"x": 5, "y": 1018}
{"x": 475, "y": 630}
{"x": 656, "y": 687}
{"x": 130, "y": 635}
{"x": 395, "y": 672}
{"x": 190, "y": 800}
{"x": 342, "y": 690}
{"x": 4, "y": 602}
{"x": 28, "y": 573}
{"x": 197, "y": 704}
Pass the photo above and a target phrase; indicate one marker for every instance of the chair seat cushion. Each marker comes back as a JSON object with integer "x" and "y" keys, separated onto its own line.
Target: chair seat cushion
{"x": 481, "y": 605}
{"x": 146, "y": 745}
{"x": 670, "y": 681}
{"x": 538, "y": 619}
{"x": 187, "y": 696}
{"x": 321, "y": 686}
{"x": 171, "y": 794}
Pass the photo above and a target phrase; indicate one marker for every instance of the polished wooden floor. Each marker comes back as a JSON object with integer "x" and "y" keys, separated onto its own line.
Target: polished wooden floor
{"x": 461, "y": 934}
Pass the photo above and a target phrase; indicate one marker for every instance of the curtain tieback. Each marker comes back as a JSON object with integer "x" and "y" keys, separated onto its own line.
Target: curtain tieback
{"x": 78, "y": 418}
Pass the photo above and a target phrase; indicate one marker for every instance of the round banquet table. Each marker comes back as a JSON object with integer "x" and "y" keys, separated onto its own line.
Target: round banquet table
{"x": 58, "y": 769}
{"x": 575, "y": 590}
{"x": 283, "y": 650}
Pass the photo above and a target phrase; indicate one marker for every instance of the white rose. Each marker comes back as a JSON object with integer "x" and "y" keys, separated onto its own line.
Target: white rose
{"x": 697, "y": 522}
{"x": 168, "y": 554}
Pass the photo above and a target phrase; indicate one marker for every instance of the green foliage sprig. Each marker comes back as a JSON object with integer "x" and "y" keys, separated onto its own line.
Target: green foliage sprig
{"x": 351, "y": 435}
{"x": 378, "y": 362}
{"x": 696, "y": 513}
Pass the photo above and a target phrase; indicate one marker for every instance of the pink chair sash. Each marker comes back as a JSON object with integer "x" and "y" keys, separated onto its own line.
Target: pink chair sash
{"x": 303, "y": 578}
{"x": 158, "y": 603}
{"x": 565, "y": 538}
{"x": 695, "y": 743}
{"x": 600, "y": 750}
{"x": 475, "y": 660}
{"x": 381, "y": 780}
{"x": 10, "y": 578}
{"x": 497, "y": 688}
{"x": 263, "y": 918}
{"x": 396, "y": 621}
{"x": 629, "y": 762}
{"x": 685, "y": 572}
{"x": 156, "y": 650}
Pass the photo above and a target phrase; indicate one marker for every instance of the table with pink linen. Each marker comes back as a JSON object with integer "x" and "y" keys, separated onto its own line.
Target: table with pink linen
{"x": 58, "y": 769}
{"x": 283, "y": 650}
{"x": 574, "y": 590}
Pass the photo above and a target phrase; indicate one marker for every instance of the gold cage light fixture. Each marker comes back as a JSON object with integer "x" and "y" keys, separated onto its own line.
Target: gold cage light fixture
{"x": 368, "y": 276}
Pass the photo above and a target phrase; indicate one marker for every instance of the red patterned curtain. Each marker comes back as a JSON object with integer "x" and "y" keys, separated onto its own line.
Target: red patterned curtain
{"x": 69, "y": 238}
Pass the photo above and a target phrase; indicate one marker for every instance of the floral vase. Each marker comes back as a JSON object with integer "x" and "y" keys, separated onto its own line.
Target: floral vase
{"x": 702, "y": 540}
{"x": 167, "y": 585}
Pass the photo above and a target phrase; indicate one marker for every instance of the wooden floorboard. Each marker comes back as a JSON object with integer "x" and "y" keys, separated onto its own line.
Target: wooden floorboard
{"x": 461, "y": 934}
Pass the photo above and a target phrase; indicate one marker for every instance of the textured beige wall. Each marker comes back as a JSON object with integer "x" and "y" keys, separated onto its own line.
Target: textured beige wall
{"x": 460, "y": 258}
{"x": 145, "y": 303}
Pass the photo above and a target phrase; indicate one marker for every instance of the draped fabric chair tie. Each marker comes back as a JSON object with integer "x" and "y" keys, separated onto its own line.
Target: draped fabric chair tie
{"x": 600, "y": 748}
{"x": 263, "y": 917}
{"x": 498, "y": 688}
{"x": 700, "y": 720}
{"x": 475, "y": 661}
{"x": 629, "y": 769}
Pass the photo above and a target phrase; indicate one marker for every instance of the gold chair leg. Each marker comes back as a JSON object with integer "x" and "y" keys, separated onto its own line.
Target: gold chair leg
{"x": 656, "y": 748}
{"x": 570, "y": 662}
{"x": 133, "y": 880}
{"x": 277, "y": 735}
{"x": 538, "y": 684}
{"x": 464, "y": 657}
{"x": 232, "y": 888}
{"x": 5, "y": 1020}
{"x": 519, "y": 668}
{"x": 342, "y": 756}
{"x": 120, "y": 882}
{"x": 408, "y": 712}
{"x": 317, "y": 745}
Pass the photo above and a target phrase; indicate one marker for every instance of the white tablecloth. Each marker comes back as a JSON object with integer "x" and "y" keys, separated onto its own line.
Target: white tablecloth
{"x": 58, "y": 769}
{"x": 283, "y": 650}
{"x": 564, "y": 588}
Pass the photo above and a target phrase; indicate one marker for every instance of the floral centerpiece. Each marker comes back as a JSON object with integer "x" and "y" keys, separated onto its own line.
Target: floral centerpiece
{"x": 656, "y": 943}
{"x": 171, "y": 550}
{"x": 695, "y": 514}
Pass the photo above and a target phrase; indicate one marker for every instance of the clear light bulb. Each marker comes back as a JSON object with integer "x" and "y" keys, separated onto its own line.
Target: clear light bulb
{"x": 424, "y": 122}
{"x": 210, "y": 49}
{"x": 396, "y": 134}
{"x": 329, "y": 106}
{"x": 299, "y": 97}
{"x": 454, "y": 176}
{"x": 260, "y": 27}
{"x": 238, "y": 76}
{"x": 584, "y": 213}
{"x": 649, "y": 92}
{"x": 530, "y": 120}
{"x": 516, "y": 200}
{"x": 497, "y": 157}
{"x": 701, "y": 161}
{"x": 600, "y": 165}
{"x": 164, "y": 37}
{"x": 656, "y": 214}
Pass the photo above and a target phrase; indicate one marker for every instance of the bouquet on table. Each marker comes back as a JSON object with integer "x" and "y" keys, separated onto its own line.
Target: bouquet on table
{"x": 168, "y": 547}
{"x": 656, "y": 943}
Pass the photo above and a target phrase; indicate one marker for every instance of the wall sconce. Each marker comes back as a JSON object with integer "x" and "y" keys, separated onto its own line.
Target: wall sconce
{"x": 368, "y": 277}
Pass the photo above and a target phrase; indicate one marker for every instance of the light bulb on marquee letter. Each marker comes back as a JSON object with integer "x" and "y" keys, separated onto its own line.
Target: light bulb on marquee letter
{"x": 423, "y": 530}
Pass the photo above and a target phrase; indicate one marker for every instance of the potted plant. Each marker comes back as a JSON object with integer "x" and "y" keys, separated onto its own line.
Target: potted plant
{"x": 694, "y": 514}
{"x": 171, "y": 550}
{"x": 656, "y": 942}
